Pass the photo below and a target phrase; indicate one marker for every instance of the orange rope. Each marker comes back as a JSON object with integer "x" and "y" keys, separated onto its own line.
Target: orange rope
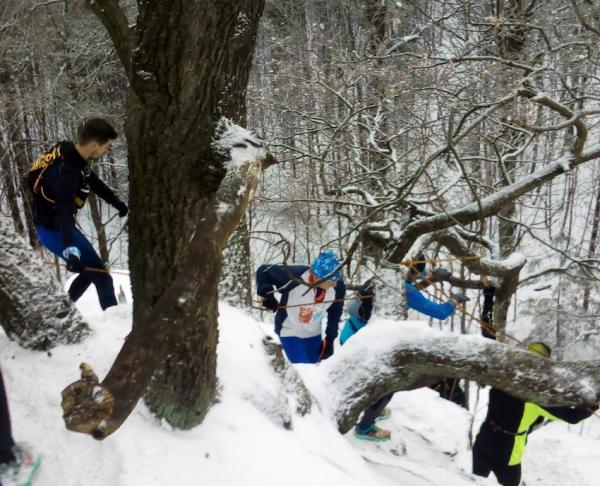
{"x": 410, "y": 263}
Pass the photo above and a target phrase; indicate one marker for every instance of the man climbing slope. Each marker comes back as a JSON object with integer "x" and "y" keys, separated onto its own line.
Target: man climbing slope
{"x": 61, "y": 181}
{"x": 500, "y": 443}
{"x": 301, "y": 308}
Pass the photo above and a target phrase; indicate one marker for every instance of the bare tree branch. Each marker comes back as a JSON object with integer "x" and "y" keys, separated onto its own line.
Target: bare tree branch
{"x": 114, "y": 20}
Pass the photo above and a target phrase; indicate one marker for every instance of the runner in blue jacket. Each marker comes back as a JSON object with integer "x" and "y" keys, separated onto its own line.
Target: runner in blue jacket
{"x": 417, "y": 301}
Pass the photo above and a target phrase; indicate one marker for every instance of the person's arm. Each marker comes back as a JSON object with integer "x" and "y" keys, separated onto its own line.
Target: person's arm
{"x": 423, "y": 283}
{"x": 270, "y": 277}
{"x": 105, "y": 192}
{"x": 335, "y": 310}
{"x": 571, "y": 415}
{"x": 487, "y": 312}
{"x": 417, "y": 301}
{"x": 65, "y": 190}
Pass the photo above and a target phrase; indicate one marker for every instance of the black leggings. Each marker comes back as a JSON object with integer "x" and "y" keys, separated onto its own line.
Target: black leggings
{"x": 371, "y": 413}
{"x": 6, "y": 439}
{"x": 506, "y": 475}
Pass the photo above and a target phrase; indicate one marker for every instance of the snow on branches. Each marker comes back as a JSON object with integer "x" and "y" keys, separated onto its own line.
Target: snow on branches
{"x": 388, "y": 356}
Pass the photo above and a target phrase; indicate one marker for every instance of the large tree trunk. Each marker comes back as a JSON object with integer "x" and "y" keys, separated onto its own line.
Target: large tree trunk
{"x": 189, "y": 302}
{"x": 36, "y": 312}
{"x": 386, "y": 357}
{"x": 188, "y": 67}
{"x": 171, "y": 122}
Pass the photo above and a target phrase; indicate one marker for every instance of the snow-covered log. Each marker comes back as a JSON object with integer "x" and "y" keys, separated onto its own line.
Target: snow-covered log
{"x": 387, "y": 356}
{"x": 36, "y": 312}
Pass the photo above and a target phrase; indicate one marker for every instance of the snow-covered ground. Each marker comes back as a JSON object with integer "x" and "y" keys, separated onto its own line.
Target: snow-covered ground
{"x": 239, "y": 444}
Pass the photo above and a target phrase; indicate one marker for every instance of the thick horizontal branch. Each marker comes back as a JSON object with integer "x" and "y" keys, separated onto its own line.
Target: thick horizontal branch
{"x": 386, "y": 357}
{"x": 483, "y": 266}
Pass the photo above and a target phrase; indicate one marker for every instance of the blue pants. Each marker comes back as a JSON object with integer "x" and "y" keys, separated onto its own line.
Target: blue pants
{"x": 302, "y": 350}
{"x": 89, "y": 258}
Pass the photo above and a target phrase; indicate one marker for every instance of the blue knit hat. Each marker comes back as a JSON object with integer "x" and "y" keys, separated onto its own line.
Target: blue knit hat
{"x": 324, "y": 264}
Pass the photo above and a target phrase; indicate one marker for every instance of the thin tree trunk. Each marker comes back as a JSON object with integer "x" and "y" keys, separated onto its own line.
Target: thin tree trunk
{"x": 94, "y": 205}
{"x": 593, "y": 243}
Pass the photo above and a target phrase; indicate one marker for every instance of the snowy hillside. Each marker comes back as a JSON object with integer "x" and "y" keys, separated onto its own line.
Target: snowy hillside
{"x": 240, "y": 444}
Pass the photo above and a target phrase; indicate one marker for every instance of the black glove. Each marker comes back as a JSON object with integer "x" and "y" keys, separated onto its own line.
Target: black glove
{"x": 440, "y": 275}
{"x": 122, "y": 208}
{"x": 459, "y": 297}
{"x": 327, "y": 348}
{"x": 270, "y": 302}
{"x": 74, "y": 264}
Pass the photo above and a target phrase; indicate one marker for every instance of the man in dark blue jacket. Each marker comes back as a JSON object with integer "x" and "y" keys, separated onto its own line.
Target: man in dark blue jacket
{"x": 61, "y": 181}
{"x": 301, "y": 308}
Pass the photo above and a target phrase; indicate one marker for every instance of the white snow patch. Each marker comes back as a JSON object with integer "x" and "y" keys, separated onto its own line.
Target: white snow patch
{"x": 242, "y": 145}
{"x": 239, "y": 445}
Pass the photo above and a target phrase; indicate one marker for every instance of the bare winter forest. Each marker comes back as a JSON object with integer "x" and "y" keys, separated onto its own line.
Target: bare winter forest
{"x": 463, "y": 130}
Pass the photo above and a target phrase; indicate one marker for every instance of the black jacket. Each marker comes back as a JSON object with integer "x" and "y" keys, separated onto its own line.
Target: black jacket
{"x": 509, "y": 419}
{"x": 65, "y": 186}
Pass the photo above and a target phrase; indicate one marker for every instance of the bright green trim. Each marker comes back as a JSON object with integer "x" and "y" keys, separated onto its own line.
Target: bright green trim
{"x": 531, "y": 412}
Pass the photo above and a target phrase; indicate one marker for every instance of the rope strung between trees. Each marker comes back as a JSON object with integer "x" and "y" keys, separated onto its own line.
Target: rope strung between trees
{"x": 92, "y": 269}
{"x": 411, "y": 263}
{"x": 461, "y": 307}
{"x": 354, "y": 297}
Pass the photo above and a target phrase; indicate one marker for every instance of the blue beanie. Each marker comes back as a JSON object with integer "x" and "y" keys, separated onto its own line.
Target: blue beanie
{"x": 324, "y": 264}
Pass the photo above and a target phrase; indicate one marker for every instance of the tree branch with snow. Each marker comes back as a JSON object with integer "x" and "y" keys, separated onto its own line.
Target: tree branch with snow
{"x": 386, "y": 357}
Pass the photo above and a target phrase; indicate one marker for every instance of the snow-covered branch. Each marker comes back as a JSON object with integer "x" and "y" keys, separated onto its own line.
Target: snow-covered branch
{"x": 388, "y": 356}
{"x": 491, "y": 204}
{"x": 247, "y": 158}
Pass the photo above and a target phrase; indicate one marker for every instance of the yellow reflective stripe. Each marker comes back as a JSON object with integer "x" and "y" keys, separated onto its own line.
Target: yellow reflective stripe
{"x": 531, "y": 412}
{"x": 546, "y": 414}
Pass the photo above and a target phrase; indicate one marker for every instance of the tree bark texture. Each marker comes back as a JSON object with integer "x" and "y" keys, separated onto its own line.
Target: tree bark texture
{"x": 182, "y": 78}
{"x": 182, "y": 320}
{"x": 235, "y": 287}
{"x": 189, "y": 68}
{"x": 36, "y": 312}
